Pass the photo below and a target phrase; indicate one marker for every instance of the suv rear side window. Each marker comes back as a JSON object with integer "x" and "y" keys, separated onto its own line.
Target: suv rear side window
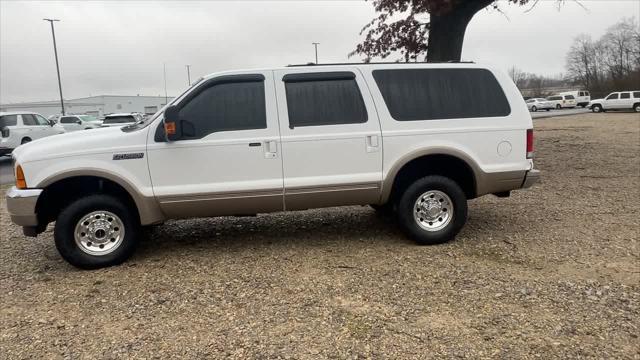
{"x": 324, "y": 99}
{"x": 625, "y": 96}
{"x": 636, "y": 94}
{"x": 226, "y": 107}
{"x": 8, "y": 120}
{"x": 430, "y": 94}
{"x": 569, "y": 97}
{"x": 28, "y": 119}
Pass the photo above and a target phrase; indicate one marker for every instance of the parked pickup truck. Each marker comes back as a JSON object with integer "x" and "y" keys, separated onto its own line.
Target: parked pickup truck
{"x": 418, "y": 140}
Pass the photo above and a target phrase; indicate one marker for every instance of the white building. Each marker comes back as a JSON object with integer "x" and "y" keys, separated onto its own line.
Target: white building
{"x": 94, "y": 105}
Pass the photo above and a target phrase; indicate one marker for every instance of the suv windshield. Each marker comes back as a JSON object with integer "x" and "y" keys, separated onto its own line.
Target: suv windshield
{"x": 88, "y": 118}
{"x": 124, "y": 119}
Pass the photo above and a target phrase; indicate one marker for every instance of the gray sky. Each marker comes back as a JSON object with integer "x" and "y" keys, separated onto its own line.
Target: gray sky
{"x": 119, "y": 48}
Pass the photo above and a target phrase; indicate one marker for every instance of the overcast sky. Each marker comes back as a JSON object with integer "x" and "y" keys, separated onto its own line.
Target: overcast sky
{"x": 119, "y": 48}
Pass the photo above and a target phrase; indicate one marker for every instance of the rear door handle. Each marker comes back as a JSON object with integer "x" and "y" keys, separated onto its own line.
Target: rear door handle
{"x": 271, "y": 150}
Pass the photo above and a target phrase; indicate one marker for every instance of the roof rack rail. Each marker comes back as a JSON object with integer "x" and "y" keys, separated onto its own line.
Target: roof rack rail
{"x": 381, "y": 63}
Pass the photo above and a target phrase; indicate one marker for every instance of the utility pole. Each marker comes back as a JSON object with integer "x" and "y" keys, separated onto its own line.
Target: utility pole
{"x": 55, "y": 51}
{"x": 164, "y": 69}
{"x": 315, "y": 44}
{"x": 188, "y": 74}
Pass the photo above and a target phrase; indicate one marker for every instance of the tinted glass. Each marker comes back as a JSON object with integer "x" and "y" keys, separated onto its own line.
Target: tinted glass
{"x": 612, "y": 97}
{"x": 68, "y": 120}
{"x": 8, "y": 120}
{"x": 625, "y": 96}
{"x": 119, "y": 119}
{"x": 41, "y": 120}
{"x": 555, "y": 98}
{"x": 325, "y": 102}
{"x": 28, "y": 119}
{"x": 636, "y": 94}
{"x": 88, "y": 118}
{"x": 569, "y": 97}
{"x": 226, "y": 107}
{"x": 425, "y": 94}
{"x": 532, "y": 100}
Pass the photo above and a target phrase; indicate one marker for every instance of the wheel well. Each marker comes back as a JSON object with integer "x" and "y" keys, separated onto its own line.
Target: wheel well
{"x": 55, "y": 197}
{"x": 438, "y": 164}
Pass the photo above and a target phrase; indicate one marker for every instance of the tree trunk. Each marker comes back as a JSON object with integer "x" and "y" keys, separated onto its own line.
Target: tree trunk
{"x": 446, "y": 31}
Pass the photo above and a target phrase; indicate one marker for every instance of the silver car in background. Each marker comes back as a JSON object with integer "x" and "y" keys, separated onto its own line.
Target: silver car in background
{"x": 535, "y": 104}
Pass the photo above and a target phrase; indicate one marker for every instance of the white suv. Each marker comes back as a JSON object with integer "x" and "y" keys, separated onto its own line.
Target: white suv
{"x": 18, "y": 128}
{"x": 79, "y": 122}
{"x": 621, "y": 100}
{"x": 562, "y": 101}
{"x": 417, "y": 140}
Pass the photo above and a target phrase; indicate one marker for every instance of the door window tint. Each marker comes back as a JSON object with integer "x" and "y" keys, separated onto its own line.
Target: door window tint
{"x": 625, "y": 96}
{"x": 68, "y": 120}
{"x": 612, "y": 97}
{"x": 555, "y": 98}
{"x": 28, "y": 119}
{"x": 225, "y": 107}
{"x": 41, "y": 120}
{"x": 427, "y": 94}
{"x": 324, "y": 101}
{"x": 569, "y": 97}
{"x": 636, "y": 94}
{"x": 8, "y": 120}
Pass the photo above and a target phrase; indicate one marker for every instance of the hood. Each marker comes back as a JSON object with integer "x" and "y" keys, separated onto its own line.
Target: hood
{"x": 596, "y": 100}
{"x": 78, "y": 143}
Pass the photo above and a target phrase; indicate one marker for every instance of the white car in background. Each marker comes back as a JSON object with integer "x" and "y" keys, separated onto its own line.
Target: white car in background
{"x": 536, "y": 104}
{"x": 562, "y": 101}
{"x": 582, "y": 97}
{"x": 621, "y": 100}
{"x": 112, "y": 120}
{"x": 79, "y": 122}
{"x": 19, "y": 128}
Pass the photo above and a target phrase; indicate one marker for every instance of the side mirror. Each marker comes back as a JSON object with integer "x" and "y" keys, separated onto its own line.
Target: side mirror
{"x": 52, "y": 123}
{"x": 171, "y": 122}
{"x": 79, "y": 122}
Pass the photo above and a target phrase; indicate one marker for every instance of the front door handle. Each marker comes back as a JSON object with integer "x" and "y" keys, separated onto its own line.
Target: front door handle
{"x": 270, "y": 150}
{"x": 372, "y": 143}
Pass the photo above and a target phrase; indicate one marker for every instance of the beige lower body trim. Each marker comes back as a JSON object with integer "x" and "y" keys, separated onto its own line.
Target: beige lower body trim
{"x": 325, "y": 196}
{"x": 221, "y": 204}
{"x": 490, "y": 183}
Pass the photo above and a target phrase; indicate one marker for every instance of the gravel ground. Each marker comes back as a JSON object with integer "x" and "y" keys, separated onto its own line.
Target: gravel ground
{"x": 553, "y": 272}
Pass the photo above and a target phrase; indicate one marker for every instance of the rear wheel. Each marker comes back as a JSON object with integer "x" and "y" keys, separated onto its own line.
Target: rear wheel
{"x": 96, "y": 231}
{"x": 432, "y": 210}
{"x": 558, "y": 107}
{"x": 25, "y": 140}
{"x": 636, "y": 107}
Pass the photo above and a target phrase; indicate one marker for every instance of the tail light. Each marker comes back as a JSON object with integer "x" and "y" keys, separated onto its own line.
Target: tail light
{"x": 5, "y": 132}
{"x": 529, "y": 143}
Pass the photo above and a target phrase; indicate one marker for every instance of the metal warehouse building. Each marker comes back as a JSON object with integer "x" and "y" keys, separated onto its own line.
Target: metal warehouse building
{"x": 94, "y": 105}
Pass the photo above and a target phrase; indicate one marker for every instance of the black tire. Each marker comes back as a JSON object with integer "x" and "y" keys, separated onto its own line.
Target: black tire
{"x": 548, "y": 109}
{"x": 25, "y": 140}
{"x": 405, "y": 210}
{"x": 558, "y": 107}
{"x": 73, "y": 213}
{"x": 636, "y": 107}
{"x": 596, "y": 108}
{"x": 534, "y": 108}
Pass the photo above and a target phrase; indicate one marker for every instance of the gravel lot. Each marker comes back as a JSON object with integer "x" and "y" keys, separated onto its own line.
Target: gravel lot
{"x": 553, "y": 272}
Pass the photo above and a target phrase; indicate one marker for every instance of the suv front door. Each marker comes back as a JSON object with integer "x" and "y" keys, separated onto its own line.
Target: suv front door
{"x": 36, "y": 128}
{"x": 331, "y": 138}
{"x": 227, "y": 160}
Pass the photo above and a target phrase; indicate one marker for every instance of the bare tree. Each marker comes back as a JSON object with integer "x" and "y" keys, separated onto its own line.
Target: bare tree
{"x": 583, "y": 63}
{"x": 622, "y": 48}
{"x": 518, "y": 76}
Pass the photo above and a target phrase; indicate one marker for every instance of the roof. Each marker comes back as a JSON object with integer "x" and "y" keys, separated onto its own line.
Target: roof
{"x": 17, "y": 113}
{"x": 119, "y": 114}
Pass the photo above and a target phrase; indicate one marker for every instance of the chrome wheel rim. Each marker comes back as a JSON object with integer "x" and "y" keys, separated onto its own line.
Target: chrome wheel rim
{"x": 433, "y": 210}
{"x": 99, "y": 233}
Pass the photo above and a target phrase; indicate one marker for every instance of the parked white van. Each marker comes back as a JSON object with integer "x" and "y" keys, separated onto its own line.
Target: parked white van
{"x": 582, "y": 97}
{"x": 562, "y": 101}
{"x": 416, "y": 140}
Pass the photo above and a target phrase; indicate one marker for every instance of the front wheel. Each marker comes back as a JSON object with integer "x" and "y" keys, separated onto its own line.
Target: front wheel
{"x": 558, "y": 107}
{"x": 96, "y": 231}
{"x": 534, "y": 109}
{"x": 596, "y": 108}
{"x": 432, "y": 210}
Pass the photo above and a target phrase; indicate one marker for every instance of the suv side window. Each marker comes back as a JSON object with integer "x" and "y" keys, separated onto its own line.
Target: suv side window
{"x": 8, "y": 120}
{"x": 612, "y": 97}
{"x": 28, "y": 119}
{"x": 636, "y": 94}
{"x": 315, "y": 99}
{"x": 625, "y": 95}
{"x": 68, "y": 120}
{"x": 569, "y": 97}
{"x": 41, "y": 120}
{"x": 431, "y": 94}
{"x": 226, "y": 106}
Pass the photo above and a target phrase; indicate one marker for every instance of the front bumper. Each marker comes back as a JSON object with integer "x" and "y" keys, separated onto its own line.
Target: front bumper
{"x": 5, "y": 150}
{"x": 531, "y": 177}
{"x": 21, "y": 205}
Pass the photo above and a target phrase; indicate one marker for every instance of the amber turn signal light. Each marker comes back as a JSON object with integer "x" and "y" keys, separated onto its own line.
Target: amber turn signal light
{"x": 170, "y": 128}
{"x": 21, "y": 183}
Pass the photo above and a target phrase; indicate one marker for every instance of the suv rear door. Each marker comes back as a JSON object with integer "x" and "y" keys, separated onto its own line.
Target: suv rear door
{"x": 331, "y": 138}
{"x": 36, "y": 128}
{"x": 229, "y": 162}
